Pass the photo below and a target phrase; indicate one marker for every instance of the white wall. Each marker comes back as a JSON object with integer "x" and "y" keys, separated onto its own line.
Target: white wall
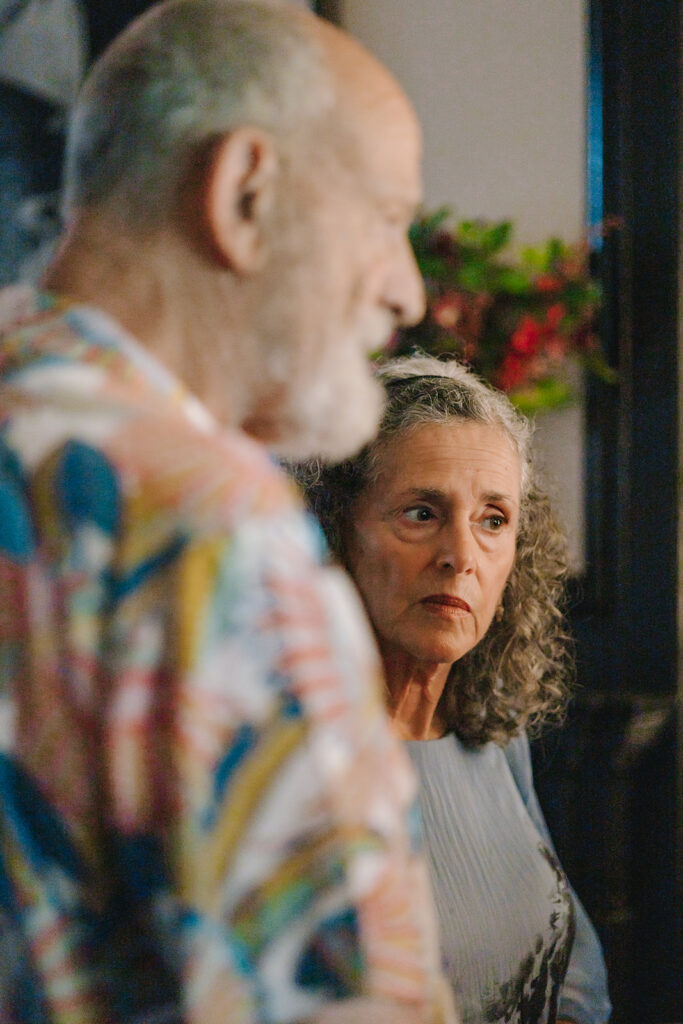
{"x": 499, "y": 89}
{"x": 499, "y": 86}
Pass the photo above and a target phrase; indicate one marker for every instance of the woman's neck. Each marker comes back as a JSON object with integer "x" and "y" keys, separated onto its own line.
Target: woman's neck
{"x": 414, "y": 690}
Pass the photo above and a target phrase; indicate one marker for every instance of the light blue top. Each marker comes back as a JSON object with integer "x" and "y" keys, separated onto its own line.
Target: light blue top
{"x": 506, "y": 910}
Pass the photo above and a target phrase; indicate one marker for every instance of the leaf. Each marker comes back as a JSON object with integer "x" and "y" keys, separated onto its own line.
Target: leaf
{"x": 473, "y": 276}
{"x": 513, "y": 280}
{"x": 499, "y": 291}
{"x": 596, "y": 364}
{"x": 555, "y": 250}
{"x": 549, "y": 393}
{"x": 433, "y": 221}
{"x": 534, "y": 258}
{"x": 435, "y": 268}
{"x": 497, "y": 236}
{"x": 426, "y": 226}
{"x": 471, "y": 233}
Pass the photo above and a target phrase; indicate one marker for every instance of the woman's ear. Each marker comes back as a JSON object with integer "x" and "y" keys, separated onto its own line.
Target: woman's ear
{"x": 240, "y": 192}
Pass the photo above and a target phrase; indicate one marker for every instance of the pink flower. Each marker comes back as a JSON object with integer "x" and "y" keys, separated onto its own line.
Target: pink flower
{"x": 446, "y": 311}
{"x": 556, "y": 348}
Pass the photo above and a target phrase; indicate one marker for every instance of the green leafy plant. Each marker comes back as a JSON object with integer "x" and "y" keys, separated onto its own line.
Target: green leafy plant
{"x": 517, "y": 321}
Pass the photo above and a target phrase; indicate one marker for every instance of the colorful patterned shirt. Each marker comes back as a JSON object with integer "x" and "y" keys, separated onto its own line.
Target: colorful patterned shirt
{"x": 204, "y": 816}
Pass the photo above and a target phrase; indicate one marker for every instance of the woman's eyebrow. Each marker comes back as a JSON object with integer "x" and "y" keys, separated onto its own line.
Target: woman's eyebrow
{"x": 492, "y": 497}
{"x": 426, "y": 493}
{"x": 434, "y": 494}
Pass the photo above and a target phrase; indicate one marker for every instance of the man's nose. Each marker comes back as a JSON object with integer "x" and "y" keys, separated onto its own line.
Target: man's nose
{"x": 404, "y": 291}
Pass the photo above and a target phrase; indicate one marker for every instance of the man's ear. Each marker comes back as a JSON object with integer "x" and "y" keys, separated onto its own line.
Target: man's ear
{"x": 240, "y": 192}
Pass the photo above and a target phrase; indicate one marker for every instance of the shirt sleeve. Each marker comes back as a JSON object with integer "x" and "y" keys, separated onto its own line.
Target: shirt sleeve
{"x": 584, "y": 995}
{"x": 295, "y": 861}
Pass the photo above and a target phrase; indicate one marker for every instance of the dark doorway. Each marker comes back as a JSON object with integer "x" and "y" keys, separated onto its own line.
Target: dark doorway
{"x": 608, "y": 780}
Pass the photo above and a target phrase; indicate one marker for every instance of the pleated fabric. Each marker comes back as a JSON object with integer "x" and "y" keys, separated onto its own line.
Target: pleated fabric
{"x": 504, "y": 903}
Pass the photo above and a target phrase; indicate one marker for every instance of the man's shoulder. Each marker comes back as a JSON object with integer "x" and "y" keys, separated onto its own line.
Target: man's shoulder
{"x": 83, "y": 401}
{"x": 212, "y": 479}
{"x": 23, "y": 307}
{"x": 38, "y": 329}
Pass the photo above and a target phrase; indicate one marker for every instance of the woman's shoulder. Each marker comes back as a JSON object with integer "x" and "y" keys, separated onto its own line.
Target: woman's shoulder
{"x": 518, "y": 756}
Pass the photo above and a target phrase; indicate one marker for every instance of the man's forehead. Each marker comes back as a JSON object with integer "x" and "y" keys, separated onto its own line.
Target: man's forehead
{"x": 391, "y": 151}
{"x": 375, "y": 121}
{"x": 365, "y": 86}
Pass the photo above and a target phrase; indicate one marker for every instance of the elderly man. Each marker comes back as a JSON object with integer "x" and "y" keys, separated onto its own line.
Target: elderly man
{"x": 203, "y": 812}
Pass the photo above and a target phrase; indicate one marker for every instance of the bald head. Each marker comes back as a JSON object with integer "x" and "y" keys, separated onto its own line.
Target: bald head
{"x": 189, "y": 71}
{"x": 182, "y": 75}
{"x": 272, "y": 167}
{"x": 359, "y": 76}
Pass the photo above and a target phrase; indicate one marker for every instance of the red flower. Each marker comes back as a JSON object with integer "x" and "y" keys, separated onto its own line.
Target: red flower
{"x": 512, "y": 372}
{"x": 527, "y": 336}
{"x": 548, "y": 283}
{"x": 555, "y": 315}
{"x": 519, "y": 328}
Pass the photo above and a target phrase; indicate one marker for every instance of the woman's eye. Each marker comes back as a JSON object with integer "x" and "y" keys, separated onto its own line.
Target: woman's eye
{"x": 494, "y": 522}
{"x": 419, "y": 514}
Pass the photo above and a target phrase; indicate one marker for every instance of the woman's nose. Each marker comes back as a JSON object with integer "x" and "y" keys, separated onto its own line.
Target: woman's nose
{"x": 457, "y": 550}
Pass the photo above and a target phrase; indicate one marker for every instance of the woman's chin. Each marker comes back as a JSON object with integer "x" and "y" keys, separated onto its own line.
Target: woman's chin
{"x": 423, "y": 653}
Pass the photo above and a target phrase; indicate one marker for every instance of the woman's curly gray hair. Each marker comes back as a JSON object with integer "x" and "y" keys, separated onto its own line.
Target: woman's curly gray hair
{"x": 517, "y": 677}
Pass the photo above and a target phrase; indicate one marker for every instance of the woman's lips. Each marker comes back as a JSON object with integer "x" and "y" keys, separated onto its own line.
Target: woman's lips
{"x": 447, "y": 603}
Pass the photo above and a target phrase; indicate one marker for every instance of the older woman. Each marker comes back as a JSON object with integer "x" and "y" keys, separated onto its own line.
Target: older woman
{"x": 460, "y": 565}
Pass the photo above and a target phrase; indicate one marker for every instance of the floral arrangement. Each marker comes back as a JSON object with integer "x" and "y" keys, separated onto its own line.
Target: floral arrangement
{"x": 517, "y": 322}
